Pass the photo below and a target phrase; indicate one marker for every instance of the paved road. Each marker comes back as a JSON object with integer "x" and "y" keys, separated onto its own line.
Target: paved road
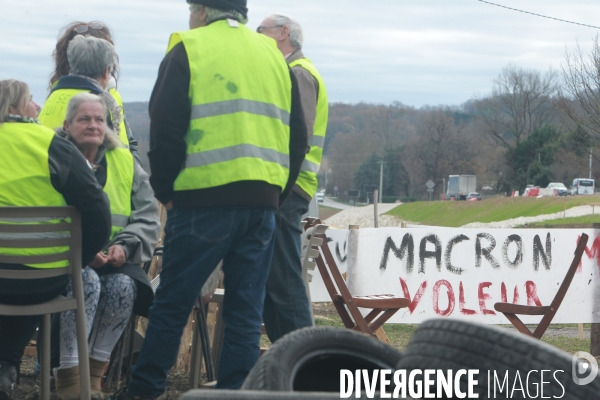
{"x": 334, "y": 204}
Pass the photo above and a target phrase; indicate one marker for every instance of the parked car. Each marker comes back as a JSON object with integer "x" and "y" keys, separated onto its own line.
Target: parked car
{"x": 583, "y": 186}
{"x": 560, "y": 188}
{"x": 320, "y": 197}
{"x": 474, "y": 196}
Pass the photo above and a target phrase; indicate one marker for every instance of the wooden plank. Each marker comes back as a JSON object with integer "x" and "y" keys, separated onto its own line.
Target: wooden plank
{"x": 520, "y": 309}
{"x": 183, "y": 359}
{"x": 381, "y": 335}
{"x": 211, "y": 320}
{"x": 518, "y": 324}
{"x": 580, "y": 328}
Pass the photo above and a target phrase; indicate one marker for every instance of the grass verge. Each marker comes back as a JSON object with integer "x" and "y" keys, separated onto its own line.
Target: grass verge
{"x": 400, "y": 334}
{"x": 586, "y": 220}
{"x": 458, "y": 213}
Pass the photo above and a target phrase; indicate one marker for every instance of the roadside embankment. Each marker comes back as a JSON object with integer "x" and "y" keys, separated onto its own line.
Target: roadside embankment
{"x": 364, "y": 217}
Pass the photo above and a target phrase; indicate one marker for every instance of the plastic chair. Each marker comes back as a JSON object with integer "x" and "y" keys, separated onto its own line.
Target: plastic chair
{"x": 33, "y": 227}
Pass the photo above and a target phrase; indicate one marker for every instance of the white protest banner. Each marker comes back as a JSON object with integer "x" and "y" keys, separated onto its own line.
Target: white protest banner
{"x": 461, "y": 273}
{"x": 337, "y": 242}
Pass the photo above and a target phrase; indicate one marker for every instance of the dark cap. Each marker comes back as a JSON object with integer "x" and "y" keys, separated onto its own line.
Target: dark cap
{"x": 225, "y": 5}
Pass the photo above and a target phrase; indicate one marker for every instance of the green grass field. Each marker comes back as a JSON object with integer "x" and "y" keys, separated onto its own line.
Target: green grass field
{"x": 586, "y": 220}
{"x": 458, "y": 213}
{"x": 400, "y": 334}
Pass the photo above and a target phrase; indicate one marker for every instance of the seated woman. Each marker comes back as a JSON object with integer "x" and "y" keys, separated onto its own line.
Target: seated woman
{"x": 114, "y": 283}
{"x": 37, "y": 168}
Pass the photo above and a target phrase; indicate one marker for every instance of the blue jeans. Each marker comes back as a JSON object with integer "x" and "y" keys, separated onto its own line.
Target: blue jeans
{"x": 196, "y": 240}
{"x": 286, "y": 304}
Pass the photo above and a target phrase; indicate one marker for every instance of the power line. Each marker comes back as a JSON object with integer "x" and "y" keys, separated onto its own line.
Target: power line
{"x": 539, "y": 15}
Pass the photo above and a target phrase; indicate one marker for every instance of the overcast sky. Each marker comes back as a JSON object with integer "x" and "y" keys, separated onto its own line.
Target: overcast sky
{"x": 417, "y": 52}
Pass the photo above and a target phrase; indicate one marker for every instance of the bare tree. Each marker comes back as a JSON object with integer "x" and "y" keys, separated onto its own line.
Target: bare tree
{"x": 581, "y": 75}
{"x": 521, "y": 102}
{"x": 441, "y": 147}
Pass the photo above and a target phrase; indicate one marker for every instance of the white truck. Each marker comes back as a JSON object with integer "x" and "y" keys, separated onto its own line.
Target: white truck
{"x": 459, "y": 186}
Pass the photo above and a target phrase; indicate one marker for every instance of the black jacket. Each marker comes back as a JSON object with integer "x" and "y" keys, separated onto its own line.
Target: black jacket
{"x": 72, "y": 177}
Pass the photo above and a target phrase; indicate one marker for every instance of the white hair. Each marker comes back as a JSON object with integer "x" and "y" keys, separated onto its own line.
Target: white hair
{"x": 296, "y": 35}
{"x": 110, "y": 139}
{"x": 90, "y": 56}
{"x": 213, "y": 14}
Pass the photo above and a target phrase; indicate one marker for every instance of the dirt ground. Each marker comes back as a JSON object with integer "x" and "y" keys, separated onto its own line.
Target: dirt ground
{"x": 326, "y": 212}
{"x": 178, "y": 382}
{"x": 28, "y": 389}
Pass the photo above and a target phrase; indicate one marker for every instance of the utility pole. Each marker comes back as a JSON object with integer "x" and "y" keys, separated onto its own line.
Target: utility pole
{"x": 381, "y": 182}
{"x": 590, "y": 177}
{"x": 444, "y": 188}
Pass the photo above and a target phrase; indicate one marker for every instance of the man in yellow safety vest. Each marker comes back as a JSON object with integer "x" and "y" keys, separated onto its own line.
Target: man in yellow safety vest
{"x": 287, "y": 305}
{"x": 227, "y": 140}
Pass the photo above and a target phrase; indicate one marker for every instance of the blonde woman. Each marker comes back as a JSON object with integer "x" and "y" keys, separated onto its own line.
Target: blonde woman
{"x": 38, "y": 168}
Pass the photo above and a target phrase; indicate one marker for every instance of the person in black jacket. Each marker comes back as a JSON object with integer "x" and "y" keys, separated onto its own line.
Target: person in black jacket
{"x": 61, "y": 176}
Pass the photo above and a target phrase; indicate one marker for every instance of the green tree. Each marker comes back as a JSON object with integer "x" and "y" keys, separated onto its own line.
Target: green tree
{"x": 367, "y": 174}
{"x": 532, "y": 159}
{"x": 395, "y": 177}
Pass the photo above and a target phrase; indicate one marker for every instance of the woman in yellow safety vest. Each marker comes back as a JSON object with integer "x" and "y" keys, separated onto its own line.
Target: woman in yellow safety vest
{"x": 114, "y": 283}
{"x": 37, "y": 168}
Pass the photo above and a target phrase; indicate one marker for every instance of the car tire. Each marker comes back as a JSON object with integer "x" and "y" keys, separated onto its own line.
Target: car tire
{"x": 310, "y": 360}
{"x": 445, "y": 344}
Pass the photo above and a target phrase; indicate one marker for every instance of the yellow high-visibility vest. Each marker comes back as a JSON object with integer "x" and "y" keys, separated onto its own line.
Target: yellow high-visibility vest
{"x": 240, "y": 95}
{"x": 25, "y": 182}
{"x": 307, "y": 179}
{"x": 118, "y": 187}
{"x": 53, "y": 114}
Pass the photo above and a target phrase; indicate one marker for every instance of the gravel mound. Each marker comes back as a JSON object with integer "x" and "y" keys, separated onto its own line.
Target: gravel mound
{"x": 364, "y": 217}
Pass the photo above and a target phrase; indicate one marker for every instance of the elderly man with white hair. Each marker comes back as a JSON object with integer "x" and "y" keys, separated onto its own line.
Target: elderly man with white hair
{"x": 91, "y": 60}
{"x": 287, "y": 306}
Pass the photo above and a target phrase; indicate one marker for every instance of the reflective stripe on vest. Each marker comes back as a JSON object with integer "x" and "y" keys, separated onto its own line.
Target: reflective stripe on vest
{"x": 240, "y": 108}
{"x": 25, "y": 182}
{"x": 118, "y": 187}
{"x": 53, "y": 114}
{"x": 307, "y": 179}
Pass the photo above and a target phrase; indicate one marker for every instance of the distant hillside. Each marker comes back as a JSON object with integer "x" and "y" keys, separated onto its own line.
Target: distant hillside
{"x": 139, "y": 122}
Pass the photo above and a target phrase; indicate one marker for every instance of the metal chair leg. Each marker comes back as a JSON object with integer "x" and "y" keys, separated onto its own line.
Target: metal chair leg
{"x": 45, "y": 370}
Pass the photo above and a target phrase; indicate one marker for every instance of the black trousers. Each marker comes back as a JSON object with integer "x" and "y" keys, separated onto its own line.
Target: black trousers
{"x": 16, "y": 331}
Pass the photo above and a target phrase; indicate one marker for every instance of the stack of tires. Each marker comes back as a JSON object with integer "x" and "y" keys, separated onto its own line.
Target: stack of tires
{"x": 306, "y": 364}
